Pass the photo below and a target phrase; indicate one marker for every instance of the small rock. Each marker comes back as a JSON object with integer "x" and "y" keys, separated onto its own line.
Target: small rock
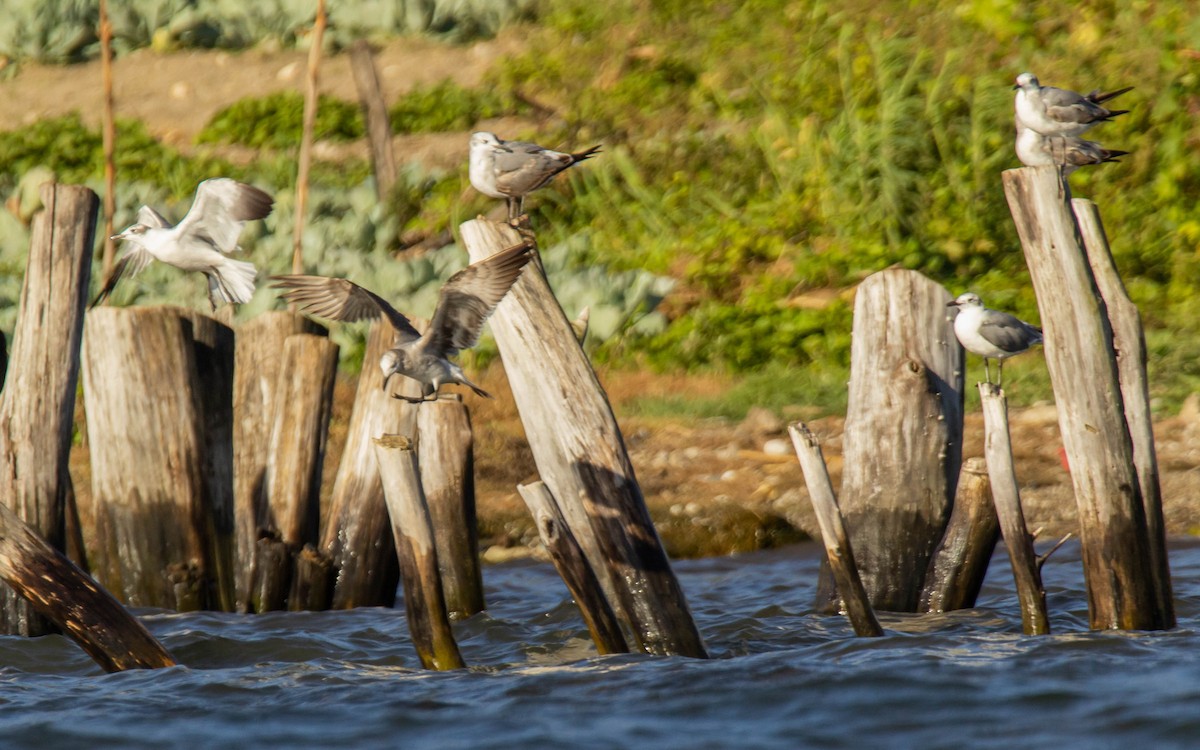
{"x": 760, "y": 421}
{"x": 181, "y": 90}
{"x": 729, "y": 476}
{"x": 777, "y": 447}
{"x": 288, "y": 72}
{"x": 1190, "y": 411}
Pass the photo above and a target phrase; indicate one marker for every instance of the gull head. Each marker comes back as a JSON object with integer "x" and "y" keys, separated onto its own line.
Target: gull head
{"x": 135, "y": 232}
{"x": 966, "y": 299}
{"x": 389, "y": 363}
{"x": 484, "y": 140}
{"x": 1027, "y": 82}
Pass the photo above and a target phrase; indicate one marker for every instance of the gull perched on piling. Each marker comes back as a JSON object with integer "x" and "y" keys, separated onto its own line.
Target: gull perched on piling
{"x": 1068, "y": 152}
{"x": 1054, "y": 111}
{"x": 990, "y": 333}
{"x": 464, "y": 304}
{"x": 200, "y": 242}
{"x": 513, "y": 169}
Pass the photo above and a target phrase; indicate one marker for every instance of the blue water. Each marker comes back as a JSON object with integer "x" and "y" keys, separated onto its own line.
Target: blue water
{"x": 781, "y": 676}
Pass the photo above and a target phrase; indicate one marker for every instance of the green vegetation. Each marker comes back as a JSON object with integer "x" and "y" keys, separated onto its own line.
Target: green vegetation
{"x": 276, "y": 120}
{"x": 447, "y": 106}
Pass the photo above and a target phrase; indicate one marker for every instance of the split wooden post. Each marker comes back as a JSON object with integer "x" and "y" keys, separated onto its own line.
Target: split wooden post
{"x": 903, "y": 437}
{"x": 961, "y": 560}
{"x": 1130, "y": 342}
{"x": 258, "y": 363}
{"x": 1119, "y": 568}
{"x": 375, "y": 115}
{"x": 574, "y": 569}
{"x": 581, "y": 455}
{"x": 998, "y": 449}
{"x": 428, "y": 619}
{"x": 37, "y": 409}
{"x": 358, "y": 536}
{"x": 838, "y": 549}
{"x": 69, "y": 598}
{"x": 446, "y": 458}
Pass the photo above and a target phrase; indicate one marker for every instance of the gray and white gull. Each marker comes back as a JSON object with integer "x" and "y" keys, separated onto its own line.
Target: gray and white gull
{"x": 990, "y": 333}
{"x": 1054, "y": 111}
{"x": 464, "y": 304}
{"x": 513, "y": 169}
{"x": 1068, "y": 152}
{"x": 201, "y": 241}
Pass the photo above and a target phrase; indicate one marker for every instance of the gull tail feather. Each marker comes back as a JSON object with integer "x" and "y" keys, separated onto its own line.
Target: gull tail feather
{"x": 233, "y": 281}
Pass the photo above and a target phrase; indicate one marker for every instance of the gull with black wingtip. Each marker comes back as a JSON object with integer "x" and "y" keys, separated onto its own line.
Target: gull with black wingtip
{"x": 990, "y": 333}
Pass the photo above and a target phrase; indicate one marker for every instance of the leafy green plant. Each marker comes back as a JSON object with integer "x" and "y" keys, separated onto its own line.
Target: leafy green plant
{"x": 448, "y": 106}
{"x": 276, "y": 121}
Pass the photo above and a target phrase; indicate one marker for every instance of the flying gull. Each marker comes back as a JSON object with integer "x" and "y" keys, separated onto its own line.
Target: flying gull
{"x": 513, "y": 169}
{"x": 464, "y": 303}
{"x": 1054, "y": 111}
{"x": 1068, "y": 152}
{"x": 200, "y": 242}
{"x": 991, "y": 334}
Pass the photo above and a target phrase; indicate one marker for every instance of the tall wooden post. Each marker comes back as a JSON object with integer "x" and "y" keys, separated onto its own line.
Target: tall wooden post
{"x": 306, "y": 137}
{"x": 375, "y": 115}
{"x": 1118, "y": 566}
{"x": 581, "y": 455}
{"x": 37, "y": 410}
{"x": 109, "y": 138}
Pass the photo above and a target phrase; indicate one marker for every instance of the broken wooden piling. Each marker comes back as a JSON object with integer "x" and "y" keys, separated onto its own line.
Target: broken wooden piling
{"x": 961, "y": 559}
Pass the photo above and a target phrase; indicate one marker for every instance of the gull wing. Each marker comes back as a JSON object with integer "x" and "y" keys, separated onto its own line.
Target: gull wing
{"x": 132, "y": 262}
{"x": 1007, "y": 332}
{"x": 470, "y": 297}
{"x": 1071, "y": 107}
{"x": 221, "y": 207}
{"x": 523, "y": 167}
{"x": 152, "y": 218}
{"x": 339, "y": 299}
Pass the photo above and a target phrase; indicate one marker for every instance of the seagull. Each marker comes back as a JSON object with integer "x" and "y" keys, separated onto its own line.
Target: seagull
{"x": 1067, "y": 152}
{"x": 464, "y": 303}
{"x": 200, "y": 242}
{"x": 514, "y": 169}
{"x": 991, "y": 334}
{"x": 1053, "y": 111}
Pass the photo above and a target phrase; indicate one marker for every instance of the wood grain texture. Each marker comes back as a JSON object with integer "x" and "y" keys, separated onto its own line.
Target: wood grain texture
{"x": 37, "y": 410}
{"x": 1079, "y": 357}
{"x": 961, "y": 559}
{"x": 903, "y": 437}
{"x": 581, "y": 456}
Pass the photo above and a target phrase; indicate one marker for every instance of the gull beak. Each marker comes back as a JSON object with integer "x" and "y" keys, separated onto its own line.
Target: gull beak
{"x": 387, "y": 380}
{"x": 1016, "y": 87}
{"x": 952, "y": 303}
{"x": 120, "y": 236}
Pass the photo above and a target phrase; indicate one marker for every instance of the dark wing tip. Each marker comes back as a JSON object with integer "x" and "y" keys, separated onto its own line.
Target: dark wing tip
{"x": 252, "y": 203}
{"x": 587, "y": 154}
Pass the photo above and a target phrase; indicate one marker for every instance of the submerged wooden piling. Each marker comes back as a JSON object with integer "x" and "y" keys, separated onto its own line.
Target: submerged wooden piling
{"x": 961, "y": 559}
{"x": 1026, "y": 574}
{"x": 903, "y": 437}
{"x": 838, "y": 551}
{"x": 1124, "y": 579}
{"x": 37, "y": 409}
{"x": 581, "y": 455}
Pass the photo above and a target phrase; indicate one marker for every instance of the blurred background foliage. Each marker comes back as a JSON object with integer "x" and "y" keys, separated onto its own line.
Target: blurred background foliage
{"x": 760, "y": 159}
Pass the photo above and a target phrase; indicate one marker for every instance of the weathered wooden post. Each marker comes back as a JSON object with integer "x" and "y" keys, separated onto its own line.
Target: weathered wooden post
{"x": 961, "y": 559}
{"x": 37, "y": 409}
{"x": 358, "y": 536}
{"x": 1119, "y": 566}
{"x": 428, "y": 619}
{"x": 998, "y": 448}
{"x": 903, "y": 436}
{"x": 581, "y": 455}
{"x": 573, "y": 567}
{"x": 838, "y": 551}
{"x": 258, "y": 364}
{"x": 445, "y": 454}
{"x": 375, "y": 115}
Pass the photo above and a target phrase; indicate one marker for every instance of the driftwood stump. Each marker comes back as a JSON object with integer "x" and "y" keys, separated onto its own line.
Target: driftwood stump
{"x": 961, "y": 559}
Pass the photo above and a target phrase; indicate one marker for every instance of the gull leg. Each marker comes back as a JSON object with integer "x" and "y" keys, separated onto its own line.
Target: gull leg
{"x": 987, "y": 370}
{"x": 1000, "y": 372}
{"x": 407, "y": 398}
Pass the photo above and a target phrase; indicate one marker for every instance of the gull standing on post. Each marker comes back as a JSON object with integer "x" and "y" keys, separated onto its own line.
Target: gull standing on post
{"x": 1054, "y": 111}
{"x": 513, "y": 169}
{"x": 991, "y": 334}
{"x": 464, "y": 304}
{"x": 200, "y": 242}
{"x": 1068, "y": 152}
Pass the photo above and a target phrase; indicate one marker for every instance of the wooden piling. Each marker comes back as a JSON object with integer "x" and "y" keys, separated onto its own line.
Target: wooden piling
{"x": 1026, "y": 573}
{"x": 312, "y": 582}
{"x": 838, "y": 550}
{"x": 903, "y": 436}
{"x": 308, "y": 123}
{"x": 428, "y": 619}
{"x": 271, "y": 577}
{"x": 375, "y": 115}
{"x": 1119, "y": 570}
{"x": 573, "y": 567}
{"x": 961, "y": 559}
{"x": 581, "y": 455}
{"x": 446, "y": 458}
{"x": 1130, "y": 342}
{"x": 69, "y": 598}
{"x": 37, "y": 409}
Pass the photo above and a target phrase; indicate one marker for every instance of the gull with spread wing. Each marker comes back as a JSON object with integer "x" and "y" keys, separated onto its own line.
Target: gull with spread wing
{"x": 464, "y": 304}
{"x": 1055, "y": 111}
{"x": 513, "y": 169}
{"x": 200, "y": 242}
{"x": 990, "y": 333}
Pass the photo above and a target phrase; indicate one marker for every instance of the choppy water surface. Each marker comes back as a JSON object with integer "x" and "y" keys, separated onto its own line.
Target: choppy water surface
{"x": 781, "y": 676}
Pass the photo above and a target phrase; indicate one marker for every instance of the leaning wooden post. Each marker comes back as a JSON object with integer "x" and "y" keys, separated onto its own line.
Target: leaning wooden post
{"x": 998, "y": 449}
{"x": 108, "y": 131}
{"x": 581, "y": 455}
{"x": 838, "y": 551}
{"x": 446, "y": 458}
{"x": 308, "y": 122}
{"x": 426, "y": 607}
{"x": 961, "y": 560}
{"x": 1118, "y": 567}
{"x": 37, "y": 410}
{"x": 70, "y": 599}
{"x": 574, "y": 569}
{"x": 903, "y": 436}
{"x": 1130, "y": 342}
{"x": 375, "y": 115}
